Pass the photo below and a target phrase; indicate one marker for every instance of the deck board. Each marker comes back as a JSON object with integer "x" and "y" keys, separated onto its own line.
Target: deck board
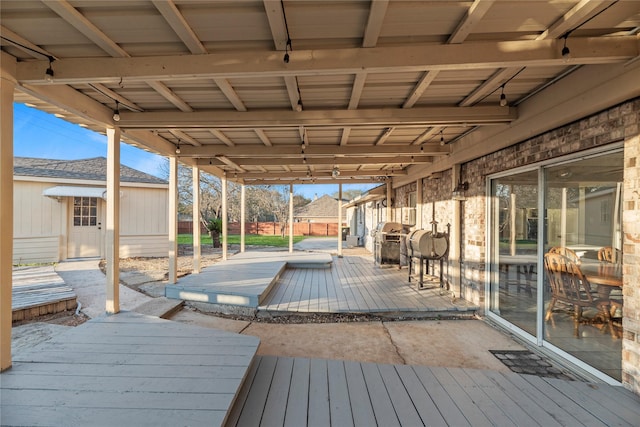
{"x": 386, "y": 395}
{"x": 354, "y": 284}
{"x": 39, "y": 290}
{"x": 176, "y": 374}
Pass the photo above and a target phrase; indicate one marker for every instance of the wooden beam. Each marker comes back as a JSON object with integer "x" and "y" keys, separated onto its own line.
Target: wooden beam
{"x": 302, "y": 174}
{"x": 263, "y": 137}
{"x": 426, "y": 135}
{"x": 331, "y": 151}
{"x": 474, "y": 15}
{"x": 294, "y": 92}
{"x": 231, "y": 94}
{"x": 229, "y": 162}
{"x": 385, "y": 135}
{"x": 195, "y": 212}
{"x": 73, "y": 17}
{"x": 424, "y": 116}
{"x": 222, "y": 137}
{"x": 356, "y": 90}
{"x": 174, "y": 18}
{"x": 297, "y": 161}
{"x": 466, "y": 56}
{"x": 183, "y": 137}
{"x": 580, "y": 13}
{"x": 170, "y": 96}
{"x": 344, "y": 138}
{"x": 275, "y": 16}
{"x": 422, "y": 85}
{"x": 377, "y": 12}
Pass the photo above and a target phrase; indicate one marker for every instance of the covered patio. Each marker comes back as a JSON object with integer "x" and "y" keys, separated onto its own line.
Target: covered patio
{"x": 434, "y": 100}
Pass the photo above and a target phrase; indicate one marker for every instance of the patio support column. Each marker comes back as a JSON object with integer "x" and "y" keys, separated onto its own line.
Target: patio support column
{"x": 173, "y": 219}
{"x": 454, "y": 238}
{"x": 195, "y": 173}
{"x": 7, "y": 85}
{"x": 225, "y": 228}
{"x": 563, "y": 219}
{"x": 243, "y": 214}
{"x": 512, "y": 224}
{"x": 389, "y": 190}
{"x": 340, "y": 220}
{"x": 112, "y": 234}
{"x": 290, "y": 218}
{"x": 419, "y": 202}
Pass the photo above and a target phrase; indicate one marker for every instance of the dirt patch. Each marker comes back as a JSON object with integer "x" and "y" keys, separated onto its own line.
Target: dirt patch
{"x": 64, "y": 318}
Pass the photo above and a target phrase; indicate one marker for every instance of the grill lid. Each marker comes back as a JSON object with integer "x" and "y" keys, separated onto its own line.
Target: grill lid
{"x": 423, "y": 243}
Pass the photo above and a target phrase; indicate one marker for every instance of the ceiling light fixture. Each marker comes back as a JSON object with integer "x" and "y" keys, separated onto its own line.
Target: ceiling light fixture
{"x": 566, "y": 53}
{"x": 299, "y": 104}
{"x": 503, "y": 97}
{"x": 303, "y": 145}
{"x": 116, "y": 112}
{"x": 48, "y": 74}
{"x": 335, "y": 172}
{"x": 178, "y": 147}
{"x": 286, "y": 51}
{"x": 441, "y": 136}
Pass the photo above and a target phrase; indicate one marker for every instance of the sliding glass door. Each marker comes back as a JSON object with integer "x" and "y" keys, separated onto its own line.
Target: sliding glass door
{"x": 572, "y": 209}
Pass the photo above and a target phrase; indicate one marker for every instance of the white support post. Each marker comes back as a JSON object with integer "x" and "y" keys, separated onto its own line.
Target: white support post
{"x": 454, "y": 238}
{"x": 340, "y": 220}
{"x": 173, "y": 220}
{"x": 195, "y": 173}
{"x": 389, "y": 190}
{"x": 290, "y": 218}
{"x": 243, "y": 214}
{"x": 419, "y": 203}
{"x": 512, "y": 226}
{"x": 7, "y": 85}
{"x": 225, "y": 228}
{"x": 563, "y": 218}
{"x": 112, "y": 234}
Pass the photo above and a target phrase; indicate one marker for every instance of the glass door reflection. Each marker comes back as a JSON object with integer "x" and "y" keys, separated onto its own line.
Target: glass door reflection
{"x": 515, "y": 241}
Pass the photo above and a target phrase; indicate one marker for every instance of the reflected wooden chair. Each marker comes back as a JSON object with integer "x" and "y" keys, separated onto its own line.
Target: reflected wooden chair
{"x": 610, "y": 254}
{"x": 569, "y": 286}
{"x": 565, "y": 252}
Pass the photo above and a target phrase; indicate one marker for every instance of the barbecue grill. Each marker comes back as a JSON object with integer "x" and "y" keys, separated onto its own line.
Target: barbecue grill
{"x": 388, "y": 238}
{"x": 427, "y": 246}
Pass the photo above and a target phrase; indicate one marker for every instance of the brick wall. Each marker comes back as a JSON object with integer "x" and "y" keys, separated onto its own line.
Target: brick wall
{"x": 630, "y": 116}
{"x": 615, "y": 124}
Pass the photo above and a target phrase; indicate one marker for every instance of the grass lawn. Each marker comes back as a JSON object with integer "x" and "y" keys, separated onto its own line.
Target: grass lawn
{"x": 249, "y": 240}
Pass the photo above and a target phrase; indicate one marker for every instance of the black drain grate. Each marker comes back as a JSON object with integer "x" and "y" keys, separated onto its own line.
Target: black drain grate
{"x": 527, "y": 362}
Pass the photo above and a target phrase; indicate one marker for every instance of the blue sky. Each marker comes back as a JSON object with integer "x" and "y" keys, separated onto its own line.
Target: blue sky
{"x": 42, "y": 135}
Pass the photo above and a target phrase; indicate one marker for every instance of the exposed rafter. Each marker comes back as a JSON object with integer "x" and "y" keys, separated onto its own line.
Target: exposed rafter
{"x": 177, "y": 22}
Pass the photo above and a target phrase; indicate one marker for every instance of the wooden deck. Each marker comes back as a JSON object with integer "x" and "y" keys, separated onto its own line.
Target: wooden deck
{"x": 354, "y": 284}
{"x": 243, "y": 280}
{"x": 127, "y": 370}
{"x": 38, "y": 291}
{"x": 282, "y": 391}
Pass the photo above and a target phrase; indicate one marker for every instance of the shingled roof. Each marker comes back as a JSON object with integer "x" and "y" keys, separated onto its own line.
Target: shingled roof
{"x": 94, "y": 169}
{"x": 325, "y": 206}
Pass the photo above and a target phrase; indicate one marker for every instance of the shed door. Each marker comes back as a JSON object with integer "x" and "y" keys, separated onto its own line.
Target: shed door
{"x": 85, "y": 230}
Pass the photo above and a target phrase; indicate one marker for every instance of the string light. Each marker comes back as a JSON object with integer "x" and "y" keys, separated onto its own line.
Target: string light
{"x": 48, "y": 74}
{"x": 116, "y": 112}
{"x": 503, "y": 97}
{"x": 566, "y": 53}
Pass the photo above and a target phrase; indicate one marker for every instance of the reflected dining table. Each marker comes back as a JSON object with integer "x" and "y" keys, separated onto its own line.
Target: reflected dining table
{"x": 605, "y": 275}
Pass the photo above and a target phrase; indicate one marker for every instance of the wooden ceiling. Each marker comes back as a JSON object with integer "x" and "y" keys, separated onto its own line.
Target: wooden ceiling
{"x": 370, "y": 88}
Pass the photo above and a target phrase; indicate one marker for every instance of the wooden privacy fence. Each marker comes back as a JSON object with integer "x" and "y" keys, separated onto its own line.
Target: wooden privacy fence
{"x": 271, "y": 228}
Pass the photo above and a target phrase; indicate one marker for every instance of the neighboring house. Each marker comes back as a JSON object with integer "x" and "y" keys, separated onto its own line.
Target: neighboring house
{"x": 365, "y": 212}
{"x": 59, "y": 210}
{"x": 322, "y": 209}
